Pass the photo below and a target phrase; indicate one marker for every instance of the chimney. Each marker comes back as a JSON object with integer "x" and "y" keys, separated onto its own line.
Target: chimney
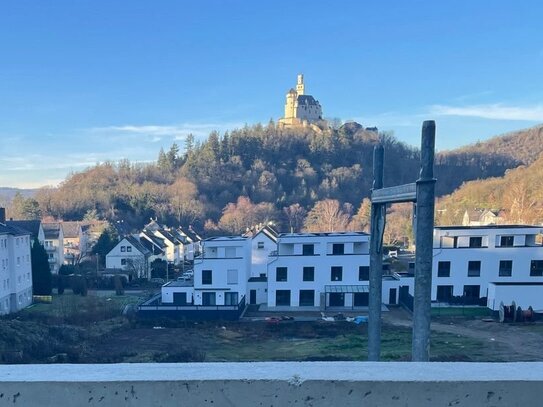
{"x": 3, "y": 215}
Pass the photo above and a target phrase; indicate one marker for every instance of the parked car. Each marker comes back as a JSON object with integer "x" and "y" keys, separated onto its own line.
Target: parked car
{"x": 157, "y": 281}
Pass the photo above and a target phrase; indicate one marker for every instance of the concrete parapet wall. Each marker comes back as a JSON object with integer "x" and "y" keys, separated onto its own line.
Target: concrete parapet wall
{"x": 274, "y": 384}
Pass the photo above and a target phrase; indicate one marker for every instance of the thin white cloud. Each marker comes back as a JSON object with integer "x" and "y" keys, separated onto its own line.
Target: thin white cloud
{"x": 155, "y": 133}
{"x": 491, "y": 111}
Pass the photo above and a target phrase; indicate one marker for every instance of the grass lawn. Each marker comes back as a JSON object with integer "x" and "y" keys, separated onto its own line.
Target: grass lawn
{"x": 460, "y": 311}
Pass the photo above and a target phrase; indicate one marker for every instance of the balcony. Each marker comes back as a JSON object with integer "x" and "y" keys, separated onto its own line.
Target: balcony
{"x": 275, "y": 384}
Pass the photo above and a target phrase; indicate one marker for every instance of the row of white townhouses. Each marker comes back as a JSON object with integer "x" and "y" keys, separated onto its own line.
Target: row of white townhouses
{"x": 331, "y": 270}
{"x": 134, "y": 254}
{"x": 15, "y": 267}
{"x": 319, "y": 270}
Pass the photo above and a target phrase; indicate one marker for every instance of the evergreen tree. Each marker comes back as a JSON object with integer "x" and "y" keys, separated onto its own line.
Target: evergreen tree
{"x": 173, "y": 156}
{"x": 163, "y": 162}
{"x": 41, "y": 273}
{"x": 107, "y": 241}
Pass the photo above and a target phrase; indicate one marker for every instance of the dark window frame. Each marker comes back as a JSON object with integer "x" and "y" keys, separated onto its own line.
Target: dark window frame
{"x": 337, "y": 272}
{"x": 308, "y": 249}
{"x": 308, "y": 273}
{"x": 281, "y": 274}
{"x": 536, "y": 268}
{"x": 475, "y": 241}
{"x": 474, "y": 271}
{"x": 306, "y": 303}
{"x": 507, "y": 241}
{"x": 443, "y": 271}
{"x": 363, "y": 273}
{"x": 207, "y": 277}
{"x": 338, "y": 248}
{"x": 506, "y": 268}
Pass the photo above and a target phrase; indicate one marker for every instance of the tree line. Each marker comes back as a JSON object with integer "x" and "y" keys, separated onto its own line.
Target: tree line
{"x": 296, "y": 178}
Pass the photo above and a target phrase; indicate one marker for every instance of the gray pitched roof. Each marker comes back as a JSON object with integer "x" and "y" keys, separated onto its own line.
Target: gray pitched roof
{"x": 51, "y": 230}
{"x": 137, "y": 244}
{"x": 32, "y": 226}
{"x": 307, "y": 100}
{"x": 12, "y": 230}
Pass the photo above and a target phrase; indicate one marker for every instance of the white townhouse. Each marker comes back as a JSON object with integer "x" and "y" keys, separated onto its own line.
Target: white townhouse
{"x": 319, "y": 270}
{"x": 54, "y": 244}
{"x": 131, "y": 256}
{"x": 15, "y": 268}
{"x": 192, "y": 242}
{"x": 171, "y": 244}
{"x": 263, "y": 243}
{"x": 466, "y": 260}
{"x": 221, "y": 273}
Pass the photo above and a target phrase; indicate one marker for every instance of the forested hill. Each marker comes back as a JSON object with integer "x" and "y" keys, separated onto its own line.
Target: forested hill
{"x": 273, "y": 167}
{"x": 525, "y": 146}
{"x": 518, "y": 196}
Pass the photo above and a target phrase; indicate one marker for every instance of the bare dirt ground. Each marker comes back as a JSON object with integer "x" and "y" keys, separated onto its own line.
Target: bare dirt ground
{"x": 505, "y": 342}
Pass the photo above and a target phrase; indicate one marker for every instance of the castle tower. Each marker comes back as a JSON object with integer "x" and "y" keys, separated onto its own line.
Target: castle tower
{"x": 300, "y": 87}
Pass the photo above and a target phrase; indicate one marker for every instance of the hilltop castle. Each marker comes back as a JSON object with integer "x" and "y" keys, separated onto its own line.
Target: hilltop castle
{"x": 301, "y": 109}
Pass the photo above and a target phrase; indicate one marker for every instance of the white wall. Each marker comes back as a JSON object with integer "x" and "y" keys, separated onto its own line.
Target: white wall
{"x": 523, "y": 295}
{"x": 114, "y": 258}
{"x": 15, "y": 273}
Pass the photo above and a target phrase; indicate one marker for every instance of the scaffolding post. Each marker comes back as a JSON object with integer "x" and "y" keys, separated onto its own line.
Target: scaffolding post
{"x": 424, "y": 245}
{"x": 378, "y": 211}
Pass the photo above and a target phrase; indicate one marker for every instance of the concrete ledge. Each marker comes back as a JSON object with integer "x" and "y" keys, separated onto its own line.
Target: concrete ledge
{"x": 274, "y": 384}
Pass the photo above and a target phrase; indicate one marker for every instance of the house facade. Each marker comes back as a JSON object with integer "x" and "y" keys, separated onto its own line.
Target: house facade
{"x": 319, "y": 270}
{"x": 54, "y": 244}
{"x": 130, "y": 256}
{"x": 221, "y": 273}
{"x": 15, "y": 268}
{"x": 467, "y": 259}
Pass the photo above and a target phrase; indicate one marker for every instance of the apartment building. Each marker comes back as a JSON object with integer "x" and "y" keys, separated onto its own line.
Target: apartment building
{"x": 15, "y": 267}
{"x": 469, "y": 258}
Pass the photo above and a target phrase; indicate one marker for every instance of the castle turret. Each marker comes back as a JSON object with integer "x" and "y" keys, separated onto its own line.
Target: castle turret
{"x": 300, "y": 87}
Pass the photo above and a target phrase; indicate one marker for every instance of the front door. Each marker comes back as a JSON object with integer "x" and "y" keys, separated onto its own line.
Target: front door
{"x": 252, "y": 297}
{"x": 392, "y": 296}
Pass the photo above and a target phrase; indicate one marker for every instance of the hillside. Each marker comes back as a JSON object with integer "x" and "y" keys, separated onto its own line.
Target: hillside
{"x": 518, "y": 194}
{"x": 525, "y": 146}
{"x": 275, "y": 168}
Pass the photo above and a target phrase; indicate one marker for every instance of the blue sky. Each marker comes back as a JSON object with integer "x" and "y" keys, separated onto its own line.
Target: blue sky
{"x": 86, "y": 81}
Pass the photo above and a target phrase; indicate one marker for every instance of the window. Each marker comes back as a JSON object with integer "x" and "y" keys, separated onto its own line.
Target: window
{"x": 363, "y": 273}
{"x": 123, "y": 249}
{"x": 231, "y": 298}
{"x": 472, "y": 291}
{"x": 207, "y": 277}
{"x": 281, "y": 274}
{"x": 231, "y": 276}
{"x": 474, "y": 269}
{"x": 444, "y": 293}
{"x": 506, "y": 268}
{"x": 260, "y": 245}
{"x": 361, "y": 299}
{"x": 282, "y": 297}
{"x": 128, "y": 249}
{"x": 336, "y": 273}
{"x": 507, "y": 241}
{"x": 444, "y": 269}
{"x": 309, "y": 274}
{"x": 307, "y": 298}
{"x": 308, "y": 249}
{"x": 123, "y": 262}
{"x": 476, "y": 241}
{"x": 18, "y": 261}
{"x": 337, "y": 300}
{"x": 51, "y": 256}
{"x": 209, "y": 298}
{"x": 338, "y": 248}
{"x": 536, "y": 268}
